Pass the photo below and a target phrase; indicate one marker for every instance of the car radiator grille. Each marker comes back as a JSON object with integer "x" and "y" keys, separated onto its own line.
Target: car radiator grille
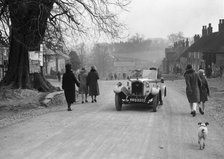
{"x": 137, "y": 88}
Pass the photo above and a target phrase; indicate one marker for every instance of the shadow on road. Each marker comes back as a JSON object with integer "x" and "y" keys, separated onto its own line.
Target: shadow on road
{"x": 182, "y": 114}
{"x": 133, "y": 107}
{"x": 193, "y": 146}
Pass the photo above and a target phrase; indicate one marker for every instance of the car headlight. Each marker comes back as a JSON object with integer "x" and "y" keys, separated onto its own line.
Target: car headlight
{"x": 119, "y": 84}
{"x": 147, "y": 85}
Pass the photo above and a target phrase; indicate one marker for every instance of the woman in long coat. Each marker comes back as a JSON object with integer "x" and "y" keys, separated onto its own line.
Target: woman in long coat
{"x": 83, "y": 89}
{"x": 192, "y": 88}
{"x": 92, "y": 81}
{"x": 204, "y": 90}
{"x": 68, "y": 85}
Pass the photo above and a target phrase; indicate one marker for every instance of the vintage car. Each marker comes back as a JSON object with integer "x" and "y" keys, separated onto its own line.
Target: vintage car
{"x": 144, "y": 86}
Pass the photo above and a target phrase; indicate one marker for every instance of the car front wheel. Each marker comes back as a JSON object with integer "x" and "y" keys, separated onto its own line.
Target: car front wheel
{"x": 118, "y": 102}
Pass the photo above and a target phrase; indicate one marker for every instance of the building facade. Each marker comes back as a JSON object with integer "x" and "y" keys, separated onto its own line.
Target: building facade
{"x": 208, "y": 50}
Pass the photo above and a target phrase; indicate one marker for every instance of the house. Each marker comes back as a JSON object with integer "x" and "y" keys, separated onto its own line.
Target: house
{"x": 122, "y": 65}
{"x": 207, "y": 50}
{"x": 54, "y": 61}
{"x": 172, "y": 63}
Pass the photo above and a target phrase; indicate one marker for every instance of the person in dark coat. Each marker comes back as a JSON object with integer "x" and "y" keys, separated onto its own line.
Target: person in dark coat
{"x": 192, "y": 88}
{"x": 92, "y": 82}
{"x": 68, "y": 85}
{"x": 204, "y": 90}
{"x": 209, "y": 71}
{"x": 59, "y": 76}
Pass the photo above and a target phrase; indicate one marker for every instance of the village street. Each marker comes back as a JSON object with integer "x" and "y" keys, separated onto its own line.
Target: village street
{"x": 97, "y": 130}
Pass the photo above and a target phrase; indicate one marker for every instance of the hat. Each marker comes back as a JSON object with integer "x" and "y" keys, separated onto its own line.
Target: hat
{"x": 189, "y": 66}
{"x": 201, "y": 71}
{"x": 83, "y": 69}
{"x": 93, "y": 67}
{"x": 68, "y": 66}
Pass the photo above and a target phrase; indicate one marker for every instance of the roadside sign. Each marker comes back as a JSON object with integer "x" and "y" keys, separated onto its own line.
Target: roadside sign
{"x": 34, "y": 62}
{"x": 41, "y": 56}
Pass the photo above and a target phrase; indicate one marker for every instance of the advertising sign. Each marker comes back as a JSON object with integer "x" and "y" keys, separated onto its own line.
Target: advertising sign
{"x": 34, "y": 62}
{"x": 41, "y": 57}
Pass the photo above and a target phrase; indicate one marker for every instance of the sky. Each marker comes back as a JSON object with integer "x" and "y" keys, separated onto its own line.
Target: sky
{"x": 159, "y": 18}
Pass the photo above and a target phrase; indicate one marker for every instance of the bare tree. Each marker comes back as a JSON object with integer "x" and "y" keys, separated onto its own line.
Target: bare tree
{"x": 175, "y": 37}
{"x": 102, "y": 59}
{"x": 74, "y": 60}
{"x": 82, "y": 53}
{"x": 27, "y": 22}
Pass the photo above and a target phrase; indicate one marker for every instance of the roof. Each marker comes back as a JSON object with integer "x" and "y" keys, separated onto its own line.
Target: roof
{"x": 213, "y": 43}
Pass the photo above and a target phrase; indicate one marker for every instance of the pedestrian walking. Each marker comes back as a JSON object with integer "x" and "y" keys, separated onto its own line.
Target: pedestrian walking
{"x": 209, "y": 71}
{"x": 204, "y": 91}
{"x": 59, "y": 76}
{"x": 192, "y": 88}
{"x": 83, "y": 89}
{"x": 92, "y": 81}
{"x": 68, "y": 85}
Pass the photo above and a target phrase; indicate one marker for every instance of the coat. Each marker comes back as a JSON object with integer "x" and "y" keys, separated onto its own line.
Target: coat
{"x": 192, "y": 86}
{"x": 92, "y": 81}
{"x": 68, "y": 85}
{"x": 83, "y": 82}
{"x": 204, "y": 90}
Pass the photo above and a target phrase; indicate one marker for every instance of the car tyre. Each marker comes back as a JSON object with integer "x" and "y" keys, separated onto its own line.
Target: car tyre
{"x": 118, "y": 102}
{"x": 155, "y": 103}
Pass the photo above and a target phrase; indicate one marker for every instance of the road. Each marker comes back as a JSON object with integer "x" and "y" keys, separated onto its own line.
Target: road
{"x": 98, "y": 131}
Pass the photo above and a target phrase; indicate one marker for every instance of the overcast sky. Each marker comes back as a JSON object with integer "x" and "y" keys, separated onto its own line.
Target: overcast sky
{"x": 159, "y": 18}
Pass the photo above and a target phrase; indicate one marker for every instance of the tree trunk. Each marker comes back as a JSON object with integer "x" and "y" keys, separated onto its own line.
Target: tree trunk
{"x": 28, "y": 24}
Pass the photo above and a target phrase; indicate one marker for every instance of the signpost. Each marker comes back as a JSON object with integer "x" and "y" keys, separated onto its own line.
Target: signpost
{"x": 36, "y": 60}
{"x": 41, "y": 58}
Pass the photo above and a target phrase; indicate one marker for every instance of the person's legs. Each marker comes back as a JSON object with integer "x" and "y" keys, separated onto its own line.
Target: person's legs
{"x": 92, "y": 98}
{"x": 82, "y": 97}
{"x": 86, "y": 98}
{"x": 95, "y": 98}
{"x": 191, "y": 107}
{"x": 69, "y": 106}
{"x": 194, "y": 107}
{"x": 203, "y": 106}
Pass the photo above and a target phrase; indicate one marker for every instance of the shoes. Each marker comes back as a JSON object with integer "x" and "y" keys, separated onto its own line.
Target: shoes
{"x": 82, "y": 102}
{"x": 193, "y": 113}
{"x": 94, "y": 100}
{"x": 69, "y": 109}
{"x": 201, "y": 111}
{"x": 86, "y": 101}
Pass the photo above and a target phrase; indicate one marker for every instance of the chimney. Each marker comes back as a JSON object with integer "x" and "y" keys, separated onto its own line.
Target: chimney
{"x": 209, "y": 29}
{"x": 196, "y": 37}
{"x": 187, "y": 43}
{"x": 221, "y": 25}
{"x": 204, "y": 30}
{"x": 183, "y": 43}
